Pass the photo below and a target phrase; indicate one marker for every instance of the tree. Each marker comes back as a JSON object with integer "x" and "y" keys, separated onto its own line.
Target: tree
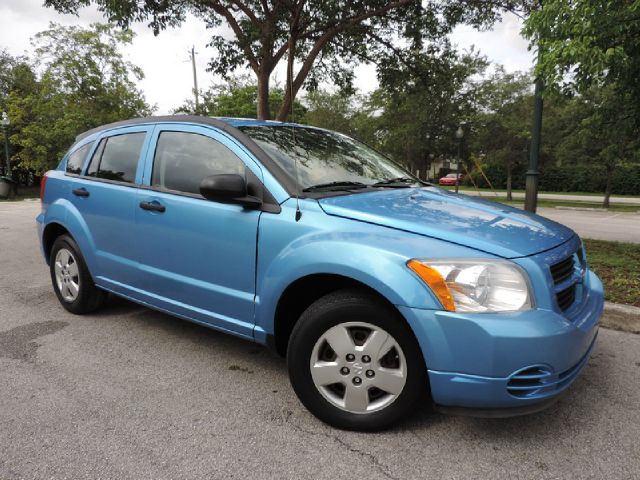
{"x": 334, "y": 111}
{"x": 589, "y": 43}
{"x": 423, "y": 98}
{"x": 16, "y": 75}
{"x": 502, "y": 121}
{"x": 606, "y": 131}
{"x": 85, "y": 82}
{"x": 325, "y": 38}
{"x": 591, "y": 49}
{"x": 236, "y": 98}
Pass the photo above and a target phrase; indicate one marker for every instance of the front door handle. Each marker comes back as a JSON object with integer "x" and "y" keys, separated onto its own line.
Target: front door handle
{"x": 152, "y": 206}
{"x": 80, "y": 192}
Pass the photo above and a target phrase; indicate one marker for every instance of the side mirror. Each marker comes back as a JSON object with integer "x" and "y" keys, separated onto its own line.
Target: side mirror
{"x": 228, "y": 188}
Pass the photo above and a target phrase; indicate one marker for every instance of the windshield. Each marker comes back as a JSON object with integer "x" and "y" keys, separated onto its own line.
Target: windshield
{"x": 324, "y": 157}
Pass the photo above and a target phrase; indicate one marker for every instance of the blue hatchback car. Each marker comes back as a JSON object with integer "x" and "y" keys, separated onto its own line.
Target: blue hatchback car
{"x": 381, "y": 290}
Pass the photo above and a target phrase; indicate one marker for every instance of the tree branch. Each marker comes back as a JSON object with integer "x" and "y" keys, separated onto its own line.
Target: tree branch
{"x": 242, "y": 39}
{"x": 248, "y": 12}
{"x": 341, "y": 24}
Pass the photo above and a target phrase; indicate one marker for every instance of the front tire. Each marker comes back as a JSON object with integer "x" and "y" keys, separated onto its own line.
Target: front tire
{"x": 71, "y": 279}
{"x": 354, "y": 363}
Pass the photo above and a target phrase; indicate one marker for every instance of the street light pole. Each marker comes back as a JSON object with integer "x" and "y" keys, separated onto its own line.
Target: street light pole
{"x": 5, "y": 126}
{"x": 531, "y": 183}
{"x": 459, "y": 136}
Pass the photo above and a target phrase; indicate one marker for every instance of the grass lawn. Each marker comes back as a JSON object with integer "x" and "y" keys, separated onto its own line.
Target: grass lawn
{"x": 543, "y": 202}
{"x": 499, "y": 190}
{"x": 618, "y": 265}
{"x": 614, "y": 207}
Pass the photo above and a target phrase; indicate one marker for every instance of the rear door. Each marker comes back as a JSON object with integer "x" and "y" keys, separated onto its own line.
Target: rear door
{"x": 105, "y": 195}
{"x": 197, "y": 257}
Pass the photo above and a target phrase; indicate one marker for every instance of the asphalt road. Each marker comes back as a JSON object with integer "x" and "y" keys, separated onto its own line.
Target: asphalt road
{"x": 619, "y": 227}
{"x": 560, "y": 196}
{"x": 131, "y": 393}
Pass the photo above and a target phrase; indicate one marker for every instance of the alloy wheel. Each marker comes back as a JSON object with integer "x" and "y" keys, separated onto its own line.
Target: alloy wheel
{"x": 67, "y": 275}
{"x": 358, "y": 367}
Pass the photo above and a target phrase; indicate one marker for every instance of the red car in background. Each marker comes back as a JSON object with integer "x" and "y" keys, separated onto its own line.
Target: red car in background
{"x": 450, "y": 179}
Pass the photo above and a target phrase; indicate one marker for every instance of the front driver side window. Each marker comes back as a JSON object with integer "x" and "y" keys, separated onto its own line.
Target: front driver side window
{"x": 183, "y": 159}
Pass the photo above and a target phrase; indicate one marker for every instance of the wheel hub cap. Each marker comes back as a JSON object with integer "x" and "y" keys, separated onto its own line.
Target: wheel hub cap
{"x": 358, "y": 367}
{"x": 67, "y": 275}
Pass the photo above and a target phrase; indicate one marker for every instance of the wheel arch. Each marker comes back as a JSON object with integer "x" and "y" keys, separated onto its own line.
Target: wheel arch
{"x": 52, "y": 231}
{"x": 304, "y": 291}
{"x": 62, "y": 217}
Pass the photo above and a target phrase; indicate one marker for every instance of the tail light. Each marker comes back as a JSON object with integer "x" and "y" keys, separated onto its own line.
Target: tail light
{"x": 43, "y": 182}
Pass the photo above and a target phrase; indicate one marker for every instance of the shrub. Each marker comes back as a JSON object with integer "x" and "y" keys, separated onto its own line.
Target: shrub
{"x": 573, "y": 178}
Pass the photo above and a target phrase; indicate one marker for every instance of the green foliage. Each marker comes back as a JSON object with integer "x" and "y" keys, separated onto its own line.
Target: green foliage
{"x": 237, "y": 98}
{"x": 568, "y": 178}
{"x": 422, "y": 99}
{"x": 326, "y": 38}
{"x": 501, "y": 131}
{"x": 334, "y": 111}
{"x": 588, "y": 43}
{"x": 84, "y": 82}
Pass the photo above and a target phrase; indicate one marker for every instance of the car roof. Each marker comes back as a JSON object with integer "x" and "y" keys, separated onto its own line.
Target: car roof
{"x": 222, "y": 123}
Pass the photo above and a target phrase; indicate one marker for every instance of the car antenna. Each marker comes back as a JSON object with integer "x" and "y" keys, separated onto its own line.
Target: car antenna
{"x": 293, "y": 128}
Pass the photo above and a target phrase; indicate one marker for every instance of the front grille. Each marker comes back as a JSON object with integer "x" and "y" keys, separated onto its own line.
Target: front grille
{"x": 562, "y": 270}
{"x": 566, "y": 297}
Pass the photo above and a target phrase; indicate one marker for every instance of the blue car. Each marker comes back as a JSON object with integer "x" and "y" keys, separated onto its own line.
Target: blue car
{"x": 382, "y": 291}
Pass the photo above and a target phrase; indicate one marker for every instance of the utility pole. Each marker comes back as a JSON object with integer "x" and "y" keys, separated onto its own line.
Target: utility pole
{"x": 195, "y": 77}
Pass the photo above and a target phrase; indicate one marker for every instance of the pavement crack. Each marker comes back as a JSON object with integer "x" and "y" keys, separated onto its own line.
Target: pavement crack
{"x": 373, "y": 459}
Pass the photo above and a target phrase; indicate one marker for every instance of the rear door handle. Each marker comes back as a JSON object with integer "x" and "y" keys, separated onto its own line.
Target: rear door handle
{"x": 80, "y": 192}
{"x": 152, "y": 206}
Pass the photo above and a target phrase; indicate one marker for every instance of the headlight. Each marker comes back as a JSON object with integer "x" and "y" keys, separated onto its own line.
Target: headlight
{"x": 475, "y": 285}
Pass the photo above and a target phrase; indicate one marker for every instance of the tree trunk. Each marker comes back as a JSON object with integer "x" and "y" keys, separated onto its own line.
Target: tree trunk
{"x": 264, "y": 113}
{"x": 607, "y": 191}
{"x": 509, "y": 195}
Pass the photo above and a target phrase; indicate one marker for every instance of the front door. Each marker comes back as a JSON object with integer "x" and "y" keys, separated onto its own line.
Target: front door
{"x": 197, "y": 257}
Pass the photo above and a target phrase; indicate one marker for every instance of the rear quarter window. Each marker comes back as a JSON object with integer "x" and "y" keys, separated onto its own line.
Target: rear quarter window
{"x": 116, "y": 158}
{"x": 75, "y": 160}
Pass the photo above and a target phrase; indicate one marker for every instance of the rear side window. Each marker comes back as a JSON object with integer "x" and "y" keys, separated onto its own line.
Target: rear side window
{"x": 116, "y": 158}
{"x": 76, "y": 159}
{"x": 183, "y": 159}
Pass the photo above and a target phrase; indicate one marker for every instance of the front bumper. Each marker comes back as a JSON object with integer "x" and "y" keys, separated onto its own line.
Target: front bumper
{"x": 472, "y": 359}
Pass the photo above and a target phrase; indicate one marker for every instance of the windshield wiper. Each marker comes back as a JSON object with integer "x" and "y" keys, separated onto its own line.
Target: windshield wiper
{"x": 335, "y": 186}
{"x": 399, "y": 182}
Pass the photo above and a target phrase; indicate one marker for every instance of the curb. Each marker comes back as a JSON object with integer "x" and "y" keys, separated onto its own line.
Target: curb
{"x": 625, "y": 318}
{"x": 581, "y": 209}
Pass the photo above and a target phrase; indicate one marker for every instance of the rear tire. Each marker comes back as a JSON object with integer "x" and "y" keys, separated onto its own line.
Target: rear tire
{"x": 354, "y": 362}
{"x": 71, "y": 279}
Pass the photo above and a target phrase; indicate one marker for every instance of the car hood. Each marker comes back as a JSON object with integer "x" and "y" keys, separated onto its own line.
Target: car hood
{"x": 480, "y": 224}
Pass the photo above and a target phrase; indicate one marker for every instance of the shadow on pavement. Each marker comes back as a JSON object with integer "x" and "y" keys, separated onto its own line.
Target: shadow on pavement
{"x": 574, "y": 408}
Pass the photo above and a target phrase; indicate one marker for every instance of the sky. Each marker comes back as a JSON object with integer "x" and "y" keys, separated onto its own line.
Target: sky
{"x": 166, "y": 63}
